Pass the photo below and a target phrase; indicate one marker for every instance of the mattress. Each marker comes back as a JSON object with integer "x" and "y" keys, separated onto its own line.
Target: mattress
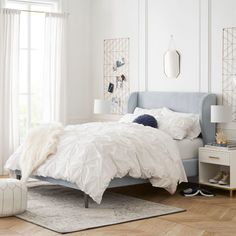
{"x": 189, "y": 148}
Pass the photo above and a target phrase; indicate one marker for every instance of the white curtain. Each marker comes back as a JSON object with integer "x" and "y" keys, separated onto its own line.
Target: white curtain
{"x": 9, "y": 61}
{"x": 55, "y": 71}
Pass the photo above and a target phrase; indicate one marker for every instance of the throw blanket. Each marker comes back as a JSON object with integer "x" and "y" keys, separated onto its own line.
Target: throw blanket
{"x": 40, "y": 143}
{"x": 91, "y": 155}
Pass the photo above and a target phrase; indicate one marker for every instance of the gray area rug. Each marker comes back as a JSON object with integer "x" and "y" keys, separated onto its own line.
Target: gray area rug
{"x": 62, "y": 209}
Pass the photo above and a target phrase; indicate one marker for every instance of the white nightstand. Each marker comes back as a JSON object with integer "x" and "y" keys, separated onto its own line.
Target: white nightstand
{"x": 211, "y": 162}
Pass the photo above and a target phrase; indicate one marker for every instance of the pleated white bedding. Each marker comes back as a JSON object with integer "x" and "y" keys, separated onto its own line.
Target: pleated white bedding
{"x": 91, "y": 155}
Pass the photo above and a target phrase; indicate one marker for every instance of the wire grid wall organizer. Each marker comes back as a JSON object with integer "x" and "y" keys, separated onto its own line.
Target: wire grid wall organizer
{"x": 229, "y": 69}
{"x": 116, "y": 73}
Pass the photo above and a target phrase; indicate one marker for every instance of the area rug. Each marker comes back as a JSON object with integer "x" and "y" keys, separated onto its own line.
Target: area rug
{"x": 62, "y": 209}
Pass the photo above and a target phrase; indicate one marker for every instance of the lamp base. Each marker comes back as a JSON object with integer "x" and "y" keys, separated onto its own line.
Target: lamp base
{"x": 221, "y": 138}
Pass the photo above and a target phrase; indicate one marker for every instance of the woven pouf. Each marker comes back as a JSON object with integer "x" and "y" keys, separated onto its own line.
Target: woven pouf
{"x": 13, "y": 197}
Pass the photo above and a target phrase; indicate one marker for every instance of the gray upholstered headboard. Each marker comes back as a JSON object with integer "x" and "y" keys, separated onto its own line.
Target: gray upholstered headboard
{"x": 198, "y": 103}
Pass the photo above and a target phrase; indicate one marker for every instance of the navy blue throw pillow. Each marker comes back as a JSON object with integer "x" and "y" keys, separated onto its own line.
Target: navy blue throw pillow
{"x": 146, "y": 120}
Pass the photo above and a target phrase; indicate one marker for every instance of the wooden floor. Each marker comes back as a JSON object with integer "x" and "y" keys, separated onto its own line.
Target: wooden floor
{"x": 204, "y": 216}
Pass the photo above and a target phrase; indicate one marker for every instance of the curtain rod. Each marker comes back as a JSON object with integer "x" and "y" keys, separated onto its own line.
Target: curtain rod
{"x": 31, "y": 11}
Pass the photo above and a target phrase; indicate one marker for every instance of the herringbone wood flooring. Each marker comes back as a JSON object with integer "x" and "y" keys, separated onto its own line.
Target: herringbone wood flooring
{"x": 204, "y": 216}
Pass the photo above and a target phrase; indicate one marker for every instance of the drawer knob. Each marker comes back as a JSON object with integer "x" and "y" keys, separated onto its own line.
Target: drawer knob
{"x": 212, "y": 157}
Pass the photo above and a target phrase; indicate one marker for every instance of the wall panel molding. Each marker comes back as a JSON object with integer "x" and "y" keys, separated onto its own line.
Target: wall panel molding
{"x": 205, "y": 45}
{"x": 143, "y": 50}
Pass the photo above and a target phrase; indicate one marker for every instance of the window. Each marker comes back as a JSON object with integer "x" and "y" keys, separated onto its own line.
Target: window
{"x": 31, "y": 57}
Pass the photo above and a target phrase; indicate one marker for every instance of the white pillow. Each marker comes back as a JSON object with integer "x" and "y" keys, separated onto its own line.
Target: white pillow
{"x": 176, "y": 127}
{"x": 193, "y": 130}
{"x": 157, "y": 113}
{"x": 128, "y": 118}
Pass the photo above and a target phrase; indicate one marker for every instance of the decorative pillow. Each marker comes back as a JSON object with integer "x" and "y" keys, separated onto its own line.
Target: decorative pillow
{"x": 192, "y": 127}
{"x": 146, "y": 120}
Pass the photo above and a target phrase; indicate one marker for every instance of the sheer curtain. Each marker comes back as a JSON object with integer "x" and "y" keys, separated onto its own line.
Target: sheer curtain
{"x": 9, "y": 60}
{"x": 55, "y": 71}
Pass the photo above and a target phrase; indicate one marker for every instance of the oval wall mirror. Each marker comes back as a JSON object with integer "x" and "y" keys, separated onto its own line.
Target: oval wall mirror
{"x": 172, "y": 64}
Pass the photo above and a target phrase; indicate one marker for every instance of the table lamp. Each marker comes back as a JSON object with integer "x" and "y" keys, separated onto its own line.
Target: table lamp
{"x": 221, "y": 114}
{"x": 101, "y": 106}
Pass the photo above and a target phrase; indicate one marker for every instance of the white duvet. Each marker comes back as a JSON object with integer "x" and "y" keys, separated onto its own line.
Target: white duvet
{"x": 91, "y": 155}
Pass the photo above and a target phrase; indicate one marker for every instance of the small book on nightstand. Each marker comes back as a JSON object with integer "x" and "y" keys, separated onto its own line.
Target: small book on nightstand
{"x": 231, "y": 145}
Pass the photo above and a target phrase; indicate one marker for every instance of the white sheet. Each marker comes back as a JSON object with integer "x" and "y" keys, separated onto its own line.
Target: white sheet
{"x": 189, "y": 148}
{"x": 92, "y": 154}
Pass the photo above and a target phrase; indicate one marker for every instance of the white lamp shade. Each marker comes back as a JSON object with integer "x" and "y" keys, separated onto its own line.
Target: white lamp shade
{"x": 221, "y": 114}
{"x": 102, "y": 106}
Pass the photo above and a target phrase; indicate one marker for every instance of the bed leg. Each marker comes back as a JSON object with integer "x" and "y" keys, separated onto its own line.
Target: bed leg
{"x": 86, "y": 200}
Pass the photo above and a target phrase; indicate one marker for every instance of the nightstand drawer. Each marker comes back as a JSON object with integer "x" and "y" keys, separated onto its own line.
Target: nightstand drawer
{"x": 214, "y": 157}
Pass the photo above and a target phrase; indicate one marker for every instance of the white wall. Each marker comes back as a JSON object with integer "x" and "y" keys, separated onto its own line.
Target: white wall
{"x": 114, "y": 19}
{"x": 149, "y": 24}
{"x": 79, "y": 83}
{"x": 179, "y": 18}
{"x": 197, "y": 29}
{"x": 222, "y": 16}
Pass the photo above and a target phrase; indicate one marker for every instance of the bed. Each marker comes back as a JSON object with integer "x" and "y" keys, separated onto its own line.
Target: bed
{"x": 198, "y": 103}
